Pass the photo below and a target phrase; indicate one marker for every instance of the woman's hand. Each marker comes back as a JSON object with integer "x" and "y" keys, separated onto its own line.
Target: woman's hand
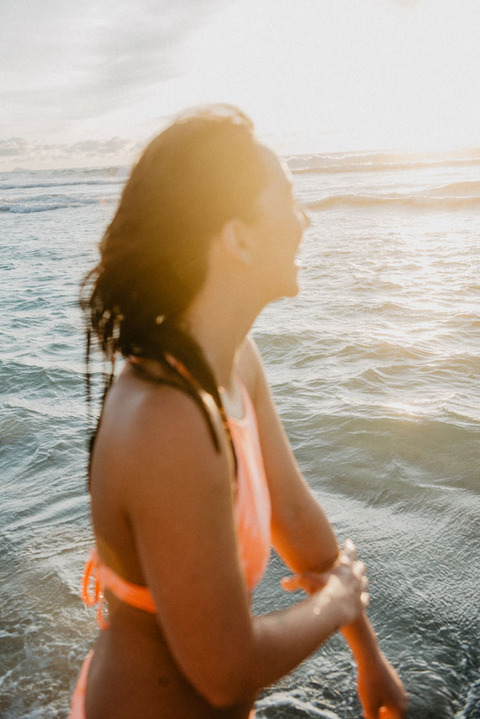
{"x": 380, "y": 690}
{"x": 346, "y": 584}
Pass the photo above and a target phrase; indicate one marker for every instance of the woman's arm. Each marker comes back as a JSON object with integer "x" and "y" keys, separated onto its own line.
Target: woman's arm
{"x": 305, "y": 539}
{"x": 301, "y": 531}
{"x": 178, "y": 494}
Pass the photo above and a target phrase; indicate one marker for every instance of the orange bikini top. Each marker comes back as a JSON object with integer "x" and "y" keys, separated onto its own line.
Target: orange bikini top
{"x": 252, "y": 513}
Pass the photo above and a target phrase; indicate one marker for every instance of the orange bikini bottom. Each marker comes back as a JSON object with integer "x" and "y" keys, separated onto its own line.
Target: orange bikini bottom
{"x": 77, "y": 707}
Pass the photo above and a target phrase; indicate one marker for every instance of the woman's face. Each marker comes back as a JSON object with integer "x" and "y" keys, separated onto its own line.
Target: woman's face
{"x": 279, "y": 228}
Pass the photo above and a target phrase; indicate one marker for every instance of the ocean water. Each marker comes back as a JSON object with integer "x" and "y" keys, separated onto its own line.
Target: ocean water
{"x": 375, "y": 368}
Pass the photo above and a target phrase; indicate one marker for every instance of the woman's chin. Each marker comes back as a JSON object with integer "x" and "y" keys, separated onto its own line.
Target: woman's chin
{"x": 296, "y": 279}
{"x": 289, "y": 287}
{"x": 294, "y": 288}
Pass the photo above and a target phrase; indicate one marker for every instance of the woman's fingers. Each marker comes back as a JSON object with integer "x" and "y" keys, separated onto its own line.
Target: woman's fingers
{"x": 359, "y": 570}
{"x": 350, "y": 550}
{"x": 349, "y": 558}
{"x": 365, "y": 599}
{"x": 308, "y": 581}
{"x": 384, "y": 713}
{"x": 291, "y": 584}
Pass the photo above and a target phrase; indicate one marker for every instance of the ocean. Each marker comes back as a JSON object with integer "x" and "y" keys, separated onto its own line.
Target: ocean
{"x": 375, "y": 369}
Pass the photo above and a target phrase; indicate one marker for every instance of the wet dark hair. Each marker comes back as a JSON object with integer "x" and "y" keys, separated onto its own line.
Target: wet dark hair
{"x": 199, "y": 173}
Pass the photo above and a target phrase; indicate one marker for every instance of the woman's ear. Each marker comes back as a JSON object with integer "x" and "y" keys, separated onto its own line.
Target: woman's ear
{"x": 237, "y": 239}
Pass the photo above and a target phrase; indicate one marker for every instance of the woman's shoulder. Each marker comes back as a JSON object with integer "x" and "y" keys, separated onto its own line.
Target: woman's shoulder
{"x": 154, "y": 420}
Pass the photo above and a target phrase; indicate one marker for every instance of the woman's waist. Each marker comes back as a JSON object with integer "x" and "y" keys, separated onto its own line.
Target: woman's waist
{"x": 132, "y": 654}
{"x": 132, "y": 660}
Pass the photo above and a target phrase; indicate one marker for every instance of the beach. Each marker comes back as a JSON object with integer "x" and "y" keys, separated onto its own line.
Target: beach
{"x": 375, "y": 369}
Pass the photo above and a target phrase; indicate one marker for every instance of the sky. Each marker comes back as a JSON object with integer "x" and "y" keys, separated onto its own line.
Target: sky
{"x": 88, "y": 84}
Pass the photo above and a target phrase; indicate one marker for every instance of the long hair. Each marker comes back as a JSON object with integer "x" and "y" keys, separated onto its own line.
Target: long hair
{"x": 200, "y": 172}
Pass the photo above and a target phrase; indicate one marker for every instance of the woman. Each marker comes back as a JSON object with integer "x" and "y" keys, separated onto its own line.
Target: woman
{"x": 191, "y": 475}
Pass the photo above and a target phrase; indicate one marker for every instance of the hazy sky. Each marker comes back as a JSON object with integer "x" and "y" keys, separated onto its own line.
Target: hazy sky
{"x": 88, "y": 83}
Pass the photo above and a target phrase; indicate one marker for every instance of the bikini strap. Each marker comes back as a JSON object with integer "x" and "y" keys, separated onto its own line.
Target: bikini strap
{"x": 194, "y": 389}
{"x": 97, "y": 577}
{"x": 198, "y": 394}
{"x": 91, "y": 590}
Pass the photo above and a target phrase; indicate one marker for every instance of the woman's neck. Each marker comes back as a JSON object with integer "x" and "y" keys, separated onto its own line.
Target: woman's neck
{"x": 220, "y": 329}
